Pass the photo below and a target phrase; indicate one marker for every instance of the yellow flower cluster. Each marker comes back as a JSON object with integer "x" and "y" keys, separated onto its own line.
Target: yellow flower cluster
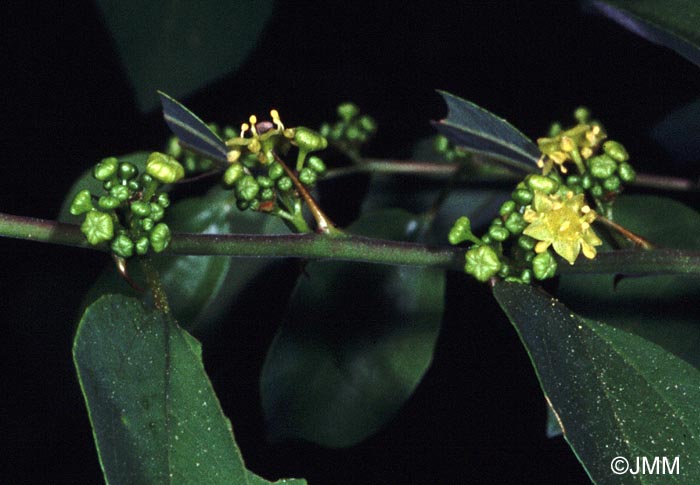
{"x": 575, "y": 144}
{"x": 563, "y": 223}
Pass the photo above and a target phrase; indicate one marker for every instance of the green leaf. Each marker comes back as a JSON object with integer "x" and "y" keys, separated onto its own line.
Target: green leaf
{"x": 553, "y": 428}
{"x": 663, "y": 309}
{"x": 615, "y": 393}
{"x": 191, "y": 130}
{"x": 154, "y": 414}
{"x": 477, "y": 130}
{"x": 253, "y": 479}
{"x": 356, "y": 343}
{"x": 671, "y": 23}
{"x": 180, "y": 47}
{"x": 153, "y": 411}
{"x": 200, "y": 288}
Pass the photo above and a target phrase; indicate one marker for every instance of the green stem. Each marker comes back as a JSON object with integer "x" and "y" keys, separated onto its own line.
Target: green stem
{"x": 351, "y": 248}
{"x": 160, "y": 299}
{"x": 446, "y": 169}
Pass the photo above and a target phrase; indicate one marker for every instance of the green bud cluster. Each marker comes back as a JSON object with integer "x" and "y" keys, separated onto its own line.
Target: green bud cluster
{"x": 127, "y": 213}
{"x": 450, "y": 152}
{"x": 351, "y": 130}
{"x": 504, "y": 251}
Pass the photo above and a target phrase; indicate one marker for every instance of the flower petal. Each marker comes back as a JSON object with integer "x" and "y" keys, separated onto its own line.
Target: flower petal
{"x": 568, "y": 250}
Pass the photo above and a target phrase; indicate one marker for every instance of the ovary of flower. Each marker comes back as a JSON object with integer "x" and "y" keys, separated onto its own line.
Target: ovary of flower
{"x": 563, "y": 224}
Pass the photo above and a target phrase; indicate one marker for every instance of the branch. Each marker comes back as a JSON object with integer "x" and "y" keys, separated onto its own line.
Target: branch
{"x": 446, "y": 169}
{"x": 352, "y": 248}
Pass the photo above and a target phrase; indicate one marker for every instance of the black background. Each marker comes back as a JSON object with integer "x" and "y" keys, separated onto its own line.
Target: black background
{"x": 478, "y": 416}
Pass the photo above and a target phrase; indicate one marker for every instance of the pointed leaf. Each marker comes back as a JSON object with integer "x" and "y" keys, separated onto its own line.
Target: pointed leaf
{"x": 357, "y": 342}
{"x": 154, "y": 414}
{"x": 477, "y": 130}
{"x": 191, "y": 130}
{"x": 615, "y": 393}
{"x": 180, "y": 47}
{"x": 671, "y": 23}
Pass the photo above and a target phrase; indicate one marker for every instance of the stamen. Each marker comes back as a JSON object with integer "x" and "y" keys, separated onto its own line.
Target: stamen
{"x": 564, "y": 226}
{"x": 253, "y": 121}
{"x": 585, "y": 209}
{"x": 244, "y": 128}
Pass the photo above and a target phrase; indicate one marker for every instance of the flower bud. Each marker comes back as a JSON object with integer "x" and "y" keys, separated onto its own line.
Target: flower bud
{"x": 105, "y": 169}
{"x": 97, "y": 227}
{"x": 233, "y": 173}
{"x": 309, "y": 140}
{"x": 462, "y": 231}
{"x": 482, "y": 262}
{"x": 160, "y": 237}
{"x": 544, "y": 266}
{"x": 164, "y": 168}
{"x": 616, "y": 151}
{"x": 347, "y": 111}
{"x": 602, "y": 166}
{"x": 247, "y": 188}
{"x": 82, "y": 203}
{"x": 123, "y": 246}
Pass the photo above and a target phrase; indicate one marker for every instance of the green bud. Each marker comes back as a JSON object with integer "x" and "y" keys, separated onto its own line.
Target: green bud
{"x": 348, "y": 111}
{"x": 307, "y": 176}
{"x": 285, "y": 184}
{"x": 586, "y": 181}
{"x": 527, "y": 243}
{"x": 582, "y": 114}
{"x": 515, "y": 223}
{"x": 123, "y": 246}
{"x": 190, "y": 163}
{"x": 441, "y": 144}
{"x": 127, "y": 171}
{"x": 147, "y": 224}
{"x": 108, "y": 203}
{"x": 229, "y": 132}
{"x": 233, "y": 173}
{"x": 504, "y": 271}
{"x": 267, "y": 194}
{"x": 163, "y": 200}
{"x": 82, "y": 203}
{"x": 544, "y": 266}
{"x": 602, "y": 166}
{"x": 573, "y": 180}
{"x": 146, "y": 179}
{"x": 164, "y": 168}
{"x": 507, "y": 207}
{"x": 485, "y": 239}
{"x": 133, "y": 185}
{"x": 526, "y": 276}
{"x": 264, "y": 182}
{"x": 325, "y": 129}
{"x": 142, "y": 246}
{"x": 316, "y": 164}
{"x": 105, "y": 169}
{"x": 173, "y": 148}
{"x": 247, "y": 188}
{"x": 108, "y": 185}
{"x": 140, "y": 208}
{"x": 157, "y": 211}
{"x": 254, "y": 204}
{"x": 522, "y": 196}
{"x": 482, "y": 263}
{"x": 627, "y": 173}
{"x": 542, "y": 183}
{"x": 353, "y": 133}
{"x": 97, "y": 227}
{"x": 597, "y": 190}
{"x": 242, "y": 204}
{"x": 275, "y": 171}
{"x": 309, "y": 140}
{"x": 160, "y": 237}
{"x": 368, "y": 124}
{"x": 498, "y": 233}
{"x": 462, "y": 231}
{"x": 611, "y": 184}
{"x": 616, "y": 151}
{"x": 554, "y": 130}
{"x": 119, "y": 192}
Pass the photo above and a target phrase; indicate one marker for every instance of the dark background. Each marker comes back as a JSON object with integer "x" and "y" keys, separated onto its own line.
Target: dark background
{"x": 478, "y": 416}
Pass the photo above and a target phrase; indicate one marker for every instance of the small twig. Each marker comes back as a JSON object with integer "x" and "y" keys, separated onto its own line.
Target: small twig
{"x": 323, "y": 224}
{"x": 198, "y": 177}
{"x": 122, "y": 270}
{"x": 629, "y": 235}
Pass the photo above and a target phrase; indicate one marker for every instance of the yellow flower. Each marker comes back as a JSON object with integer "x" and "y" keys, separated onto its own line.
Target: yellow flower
{"x": 564, "y": 224}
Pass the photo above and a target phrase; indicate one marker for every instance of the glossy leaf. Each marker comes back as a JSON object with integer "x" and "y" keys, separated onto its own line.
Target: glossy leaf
{"x": 616, "y": 394}
{"x": 477, "y": 130}
{"x": 663, "y": 309}
{"x": 191, "y": 130}
{"x": 356, "y": 343}
{"x": 154, "y": 414}
{"x": 201, "y": 288}
{"x": 671, "y": 23}
{"x": 553, "y": 428}
{"x": 180, "y": 47}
